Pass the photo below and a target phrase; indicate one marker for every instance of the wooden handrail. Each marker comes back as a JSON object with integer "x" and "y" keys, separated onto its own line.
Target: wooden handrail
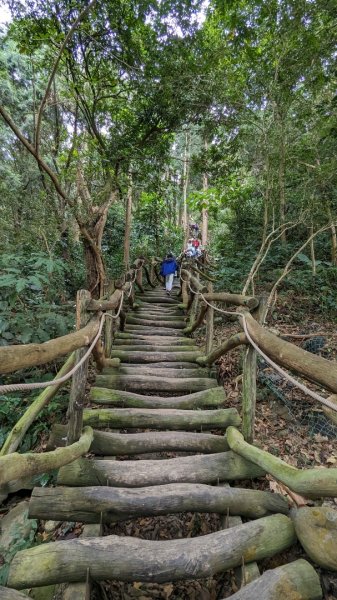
{"x": 24, "y": 356}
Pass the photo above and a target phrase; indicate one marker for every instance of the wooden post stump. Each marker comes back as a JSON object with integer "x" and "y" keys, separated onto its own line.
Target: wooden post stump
{"x": 75, "y": 410}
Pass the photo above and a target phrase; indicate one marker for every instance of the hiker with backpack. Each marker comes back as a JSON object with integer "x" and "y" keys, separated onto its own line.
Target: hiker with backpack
{"x": 168, "y": 269}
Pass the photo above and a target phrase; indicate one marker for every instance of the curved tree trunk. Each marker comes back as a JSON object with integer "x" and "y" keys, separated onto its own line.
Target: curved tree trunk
{"x": 133, "y": 559}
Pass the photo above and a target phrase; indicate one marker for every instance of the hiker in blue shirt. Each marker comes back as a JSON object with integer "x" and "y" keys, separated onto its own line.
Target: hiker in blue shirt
{"x": 167, "y": 270}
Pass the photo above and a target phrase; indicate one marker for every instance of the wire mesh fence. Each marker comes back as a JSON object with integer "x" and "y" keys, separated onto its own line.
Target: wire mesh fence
{"x": 299, "y": 406}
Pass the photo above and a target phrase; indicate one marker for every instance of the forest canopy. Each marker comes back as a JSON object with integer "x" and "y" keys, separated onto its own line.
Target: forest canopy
{"x": 123, "y": 122}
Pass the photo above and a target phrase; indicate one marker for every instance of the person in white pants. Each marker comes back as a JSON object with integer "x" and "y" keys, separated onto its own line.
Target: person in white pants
{"x": 167, "y": 270}
{"x": 169, "y": 282}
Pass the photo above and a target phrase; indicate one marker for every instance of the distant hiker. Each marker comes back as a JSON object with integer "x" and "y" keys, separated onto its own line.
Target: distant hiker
{"x": 195, "y": 243}
{"x": 190, "y": 250}
{"x": 168, "y": 269}
{"x": 195, "y": 229}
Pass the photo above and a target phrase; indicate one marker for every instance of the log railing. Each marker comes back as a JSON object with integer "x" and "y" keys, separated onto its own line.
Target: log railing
{"x": 91, "y": 315}
{"x": 255, "y": 338}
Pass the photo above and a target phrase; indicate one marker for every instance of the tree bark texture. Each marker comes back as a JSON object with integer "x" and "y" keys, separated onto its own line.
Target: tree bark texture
{"x": 312, "y": 483}
{"x": 154, "y": 348}
{"x": 158, "y": 372}
{"x": 132, "y": 559}
{"x": 106, "y": 443}
{"x": 233, "y": 342}
{"x": 151, "y": 330}
{"x": 14, "y": 466}
{"x": 312, "y": 367}
{"x": 87, "y": 504}
{"x": 10, "y": 594}
{"x": 159, "y": 356}
{"x": 24, "y": 356}
{"x": 297, "y": 580}
{"x": 161, "y": 418}
{"x": 211, "y": 468}
{"x": 316, "y": 529}
{"x": 136, "y": 383}
{"x": 79, "y": 378}
{"x": 212, "y": 397}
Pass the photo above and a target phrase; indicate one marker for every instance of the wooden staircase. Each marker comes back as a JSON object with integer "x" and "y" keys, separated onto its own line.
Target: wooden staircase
{"x": 161, "y": 391}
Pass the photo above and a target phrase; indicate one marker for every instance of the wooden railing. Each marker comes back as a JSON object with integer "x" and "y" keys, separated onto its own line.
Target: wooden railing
{"x": 91, "y": 316}
{"x": 200, "y": 302}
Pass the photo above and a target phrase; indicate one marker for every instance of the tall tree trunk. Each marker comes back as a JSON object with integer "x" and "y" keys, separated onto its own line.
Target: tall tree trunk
{"x": 204, "y": 225}
{"x": 185, "y": 185}
{"x": 312, "y": 251}
{"x": 128, "y": 220}
{"x": 92, "y": 230}
{"x": 266, "y": 199}
{"x": 281, "y": 180}
{"x": 333, "y": 239}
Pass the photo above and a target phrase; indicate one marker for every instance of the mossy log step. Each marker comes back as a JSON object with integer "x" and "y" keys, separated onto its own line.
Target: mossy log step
{"x": 169, "y": 365}
{"x": 154, "y": 348}
{"x": 208, "y": 468}
{"x": 134, "y": 559}
{"x": 107, "y": 443}
{"x": 67, "y": 504}
{"x": 312, "y": 483}
{"x": 157, "y": 318}
{"x": 154, "y": 339}
{"x": 151, "y": 341}
{"x": 138, "y": 356}
{"x": 161, "y": 418}
{"x": 154, "y": 323}
{"x": 10, "y": 594}
{"x": 153, "y": 329}
{"x": 297, "y": 580}
{"x": 157, "y": 299}
{"x": 212, "y": 397}
{"x": 163, "y": 372}
{"x": 144, "y": 383}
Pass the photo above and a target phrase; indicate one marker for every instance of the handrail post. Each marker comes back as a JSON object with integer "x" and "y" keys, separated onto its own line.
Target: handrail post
{"x": 209, "y": 323}
{"x": 249, "y": 376}
{"x": 79, "y": 379}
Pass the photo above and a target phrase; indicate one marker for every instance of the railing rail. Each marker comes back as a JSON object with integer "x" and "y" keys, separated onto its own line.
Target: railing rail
{"x": 106, "y": 311}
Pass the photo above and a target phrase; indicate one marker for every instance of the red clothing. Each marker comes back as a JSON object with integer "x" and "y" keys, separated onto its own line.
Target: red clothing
{"x": 196, "y": 243}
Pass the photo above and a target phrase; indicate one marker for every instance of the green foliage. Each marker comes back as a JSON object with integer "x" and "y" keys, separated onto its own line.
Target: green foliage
{"x": 12, "y": 407}
{"x": 30, "y": 286}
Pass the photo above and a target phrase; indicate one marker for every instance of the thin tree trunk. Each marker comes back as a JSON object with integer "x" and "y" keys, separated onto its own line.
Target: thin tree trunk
{"x": 128, "y": 220}
{"x": 333, "y": 239}
{"x": 204, "y": 225}
{"x": 281, "y": 179}
{"x": 312, "y": 251}
{"x": 185, "y": 182}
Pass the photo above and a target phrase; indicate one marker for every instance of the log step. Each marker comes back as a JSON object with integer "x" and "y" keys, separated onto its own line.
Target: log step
{"x": 158, "y": 299}
{"x": 106, "y": 443}
{"x": 158, "y": 372}
{"x": 208, "y": 468}
{"x": 153, "y": 329}
{"x": 136, "y": 356}
{"x": 137, "y": 383}
{"x": 213, "y": 397}
{"x": 161, "y": 418}
{"x": 181, "y": 324}
{"x": 154, "y": 339}
{"x": 170, "y": 365}
{"x": 113, "y": 504}
{"x": 157, "y": 318}
{"x": 134, "y": 559}
{"x": 154, "y": 348}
